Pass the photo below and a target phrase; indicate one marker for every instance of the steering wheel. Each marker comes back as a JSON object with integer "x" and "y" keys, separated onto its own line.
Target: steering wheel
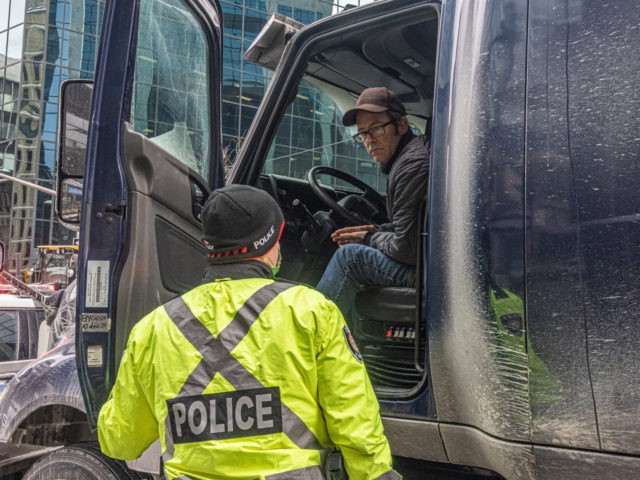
{"x": 371, "y": 196}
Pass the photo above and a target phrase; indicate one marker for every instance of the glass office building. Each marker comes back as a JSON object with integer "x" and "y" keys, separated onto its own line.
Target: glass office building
{"x": 243, "y": 82}
{"x": 44, "y": 42}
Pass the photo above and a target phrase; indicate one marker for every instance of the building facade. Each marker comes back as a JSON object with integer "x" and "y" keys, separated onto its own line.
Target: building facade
{"x": 45, "y": 42}
{"x": 42, "y": 43}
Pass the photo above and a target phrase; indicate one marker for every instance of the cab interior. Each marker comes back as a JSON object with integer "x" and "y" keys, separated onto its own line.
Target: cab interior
{"x": 316, "y": 172}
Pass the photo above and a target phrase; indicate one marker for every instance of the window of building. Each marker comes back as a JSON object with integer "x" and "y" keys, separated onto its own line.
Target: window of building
{"x": 16, "y": 12}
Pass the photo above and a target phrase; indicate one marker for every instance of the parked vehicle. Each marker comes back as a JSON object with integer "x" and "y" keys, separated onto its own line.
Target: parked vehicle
{"x": 516, "y": 354}
{"x": 54, "y": 266}
{"x": 20, "y": 322}
{"x": 47, "y": 367}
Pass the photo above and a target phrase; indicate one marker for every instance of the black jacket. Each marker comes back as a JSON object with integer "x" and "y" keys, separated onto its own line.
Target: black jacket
{"x": 406, "y": 190}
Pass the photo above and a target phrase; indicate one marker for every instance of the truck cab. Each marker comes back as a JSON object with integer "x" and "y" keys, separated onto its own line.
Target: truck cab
{"x": 515, "y": 353}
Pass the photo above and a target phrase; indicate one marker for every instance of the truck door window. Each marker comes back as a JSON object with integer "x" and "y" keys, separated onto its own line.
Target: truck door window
{"x": 171, "y": 103}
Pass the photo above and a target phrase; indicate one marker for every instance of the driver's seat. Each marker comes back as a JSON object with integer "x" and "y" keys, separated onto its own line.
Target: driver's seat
{"x": 385, "y": 327}
{"x": 385, "y": 324}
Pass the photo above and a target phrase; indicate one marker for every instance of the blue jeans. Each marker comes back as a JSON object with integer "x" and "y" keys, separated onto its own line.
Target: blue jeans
{"x": 354, "y": 265}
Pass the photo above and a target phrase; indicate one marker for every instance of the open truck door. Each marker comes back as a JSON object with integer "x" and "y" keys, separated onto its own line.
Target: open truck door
{"x": 149, "y": 129}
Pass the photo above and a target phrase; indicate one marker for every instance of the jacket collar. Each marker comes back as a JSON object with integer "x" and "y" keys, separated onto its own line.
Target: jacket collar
{"x": 406, "y": 138}
{"x": 236, "y": 271}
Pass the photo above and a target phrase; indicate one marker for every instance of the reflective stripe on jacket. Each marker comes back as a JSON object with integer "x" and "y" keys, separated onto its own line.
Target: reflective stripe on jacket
{"x": 246, "y": 379}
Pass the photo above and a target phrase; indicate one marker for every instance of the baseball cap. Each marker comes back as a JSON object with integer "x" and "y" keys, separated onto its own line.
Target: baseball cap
{"x": 240, "y": 222}
{"x": 375, "y": 100}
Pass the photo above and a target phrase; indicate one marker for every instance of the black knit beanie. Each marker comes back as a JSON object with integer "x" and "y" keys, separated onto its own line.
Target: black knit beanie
{"x": 240, "y": 222}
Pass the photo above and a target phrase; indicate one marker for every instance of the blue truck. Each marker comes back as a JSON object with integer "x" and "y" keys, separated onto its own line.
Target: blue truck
{"x": 516, "y": 354}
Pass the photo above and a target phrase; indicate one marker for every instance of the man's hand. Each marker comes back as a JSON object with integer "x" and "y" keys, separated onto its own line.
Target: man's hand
{"x": 351, "y": 234}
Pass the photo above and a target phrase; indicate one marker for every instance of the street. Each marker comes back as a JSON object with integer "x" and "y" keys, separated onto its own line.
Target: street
{"x": 415, "y": 470}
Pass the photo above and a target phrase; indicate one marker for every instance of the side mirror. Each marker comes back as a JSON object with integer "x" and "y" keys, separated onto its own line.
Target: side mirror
{"x": 73, "y": 121}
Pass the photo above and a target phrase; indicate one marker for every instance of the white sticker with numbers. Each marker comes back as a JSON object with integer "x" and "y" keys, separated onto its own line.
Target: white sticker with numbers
{"x": 97, "y": 284}
{"x": 94, "y": 356}
{"x": 95, "y": 322}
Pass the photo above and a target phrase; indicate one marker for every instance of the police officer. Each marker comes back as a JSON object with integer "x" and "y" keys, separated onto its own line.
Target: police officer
{"x": 245, "y": 377}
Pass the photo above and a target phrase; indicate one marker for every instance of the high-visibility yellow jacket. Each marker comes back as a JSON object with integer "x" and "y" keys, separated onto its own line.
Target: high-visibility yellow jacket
{"x": 246, "y": 379}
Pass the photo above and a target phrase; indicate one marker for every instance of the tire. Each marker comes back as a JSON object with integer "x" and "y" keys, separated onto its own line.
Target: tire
{"x": 83, "y": 461}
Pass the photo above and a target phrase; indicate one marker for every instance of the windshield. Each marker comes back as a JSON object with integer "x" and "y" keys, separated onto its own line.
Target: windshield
{"x": 311, "y": 134}
{"x": 56, "y": 261}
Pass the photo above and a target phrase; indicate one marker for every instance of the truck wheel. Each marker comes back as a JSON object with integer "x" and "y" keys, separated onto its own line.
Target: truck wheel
{"x": 82, "y": 461}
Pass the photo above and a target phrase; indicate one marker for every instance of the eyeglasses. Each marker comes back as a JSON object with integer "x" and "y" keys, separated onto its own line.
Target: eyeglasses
{"x": 373, "y": 132}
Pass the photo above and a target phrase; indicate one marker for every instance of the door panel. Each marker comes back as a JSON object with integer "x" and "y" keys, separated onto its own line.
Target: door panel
{"x": 153, "y": 172}
{"x": 166, "y": 257}
{"x": 154, "y": 143}
{"x": 555, "y": 278}
{"x": 604, "y": 156}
